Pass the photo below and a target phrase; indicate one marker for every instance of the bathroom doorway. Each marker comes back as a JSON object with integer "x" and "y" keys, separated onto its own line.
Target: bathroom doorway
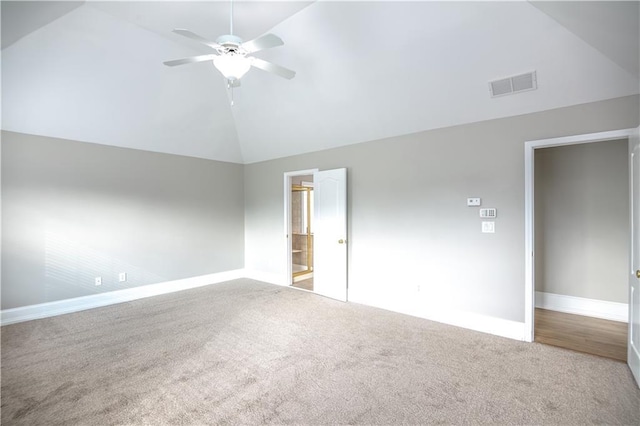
{"x": 302, "y": 220}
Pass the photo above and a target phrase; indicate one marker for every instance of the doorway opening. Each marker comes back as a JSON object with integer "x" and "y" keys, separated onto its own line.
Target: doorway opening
{"x": 302, "y": 220}
{"x": 566, "y": 243}
{"x": 299, "y": 226}
{"x": 581, "y": 194}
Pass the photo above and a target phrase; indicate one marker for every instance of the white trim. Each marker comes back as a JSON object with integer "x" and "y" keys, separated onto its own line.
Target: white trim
{"x": 632, "y": 189}
{"x": 477, "y": 322}
{"x": 581, "y": 306}
{"x": 468, "y": 320}
{"x": 303, "y": 277}
{"x": 529, "y": 147}
{"x": 265, "y": 277}
{"x": 580, "y": 139}
{"x": 529, "y": 243}
{"x": 60, "y": 307}
{"x": 633, "y": 356}
{"x": 464, "y": 319}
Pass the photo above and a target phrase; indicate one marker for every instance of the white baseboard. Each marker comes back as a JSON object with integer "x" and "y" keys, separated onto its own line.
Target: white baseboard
{"x": 469, "y": 320}
{"x": 265, "y": 277}
{"x": 60, "y": 307}
{"x": 477, "y": 322}
{"x": 306, "y": 276}
{"x": 581, "y": 306}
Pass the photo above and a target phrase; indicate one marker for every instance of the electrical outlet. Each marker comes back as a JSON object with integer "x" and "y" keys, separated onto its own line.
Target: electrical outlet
{"x": 98, "y": 280}
{"x": 122, "y": 277}
{"x": 488, "y": 227}
{"x": 473, "y": 202}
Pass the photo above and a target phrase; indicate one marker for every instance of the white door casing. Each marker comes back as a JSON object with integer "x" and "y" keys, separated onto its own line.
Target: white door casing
{"x": 330, "y": 234}
{"x": 633, "y": 347}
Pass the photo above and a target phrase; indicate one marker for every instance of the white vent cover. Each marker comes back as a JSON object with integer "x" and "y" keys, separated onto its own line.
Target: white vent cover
{"x": 488, "y": 213}
{"x": 515, "y": 84}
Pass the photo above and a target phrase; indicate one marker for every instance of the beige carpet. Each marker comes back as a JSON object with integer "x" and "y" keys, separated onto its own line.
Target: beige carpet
{"x": 249, "y": 353}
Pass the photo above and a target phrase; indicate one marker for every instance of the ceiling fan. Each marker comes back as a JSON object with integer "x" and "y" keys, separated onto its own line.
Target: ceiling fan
{"x": 231, "y": 54}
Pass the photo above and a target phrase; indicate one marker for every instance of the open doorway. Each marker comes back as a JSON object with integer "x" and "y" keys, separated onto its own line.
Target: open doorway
{"x": 299, "y": 205}
{"x": 581, "y": 247}
{"x": 302, "y": 220}
{"x": 584, "y": 308}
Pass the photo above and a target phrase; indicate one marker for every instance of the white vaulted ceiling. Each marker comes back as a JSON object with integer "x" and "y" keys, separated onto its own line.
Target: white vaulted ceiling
{"x": 93, "y": 71}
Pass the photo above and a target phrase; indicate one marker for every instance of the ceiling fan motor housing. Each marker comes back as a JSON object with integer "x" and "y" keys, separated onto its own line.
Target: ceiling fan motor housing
{"x": 229, "y": 42}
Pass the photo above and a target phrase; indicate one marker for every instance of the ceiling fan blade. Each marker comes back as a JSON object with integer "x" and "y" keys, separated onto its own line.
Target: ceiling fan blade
{"x": 196, "y": 37}
{"x": 270, "y": 67}
{"x": 190, "y": 60}
{"x": 263, "y": 42}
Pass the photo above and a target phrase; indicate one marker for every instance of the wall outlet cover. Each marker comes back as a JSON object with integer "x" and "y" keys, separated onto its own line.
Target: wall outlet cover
{"x": 473, "y": 202}
{"x": 488, "y": 227}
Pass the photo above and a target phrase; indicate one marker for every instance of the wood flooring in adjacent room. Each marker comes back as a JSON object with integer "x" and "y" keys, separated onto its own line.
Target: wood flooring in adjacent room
{"x": 583, "y": 334}
{"x": 304, "y": 284}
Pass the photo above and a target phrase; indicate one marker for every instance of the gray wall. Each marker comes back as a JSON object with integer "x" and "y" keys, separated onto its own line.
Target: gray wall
{"x": 72, "y": 211}
{"x": 413, "y": 242}
{"x": 582, "y": 220}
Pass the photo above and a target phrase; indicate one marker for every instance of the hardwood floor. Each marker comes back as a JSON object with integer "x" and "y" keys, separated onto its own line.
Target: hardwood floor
{"x": 305, "y": 284}
{"x": 584, "y": 334}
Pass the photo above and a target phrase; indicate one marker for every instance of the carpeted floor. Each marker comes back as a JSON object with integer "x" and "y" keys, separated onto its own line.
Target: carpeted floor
{"x": 244, "y": 352}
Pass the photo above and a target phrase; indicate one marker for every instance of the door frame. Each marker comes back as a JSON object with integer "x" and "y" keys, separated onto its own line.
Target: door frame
{"x": 287, "y": 219}
{"x": 529, "y": 208}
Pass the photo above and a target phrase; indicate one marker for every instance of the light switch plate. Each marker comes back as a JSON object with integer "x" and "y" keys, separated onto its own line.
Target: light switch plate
{"x": 473, "y": 202}
{"x": 122, "y": 277}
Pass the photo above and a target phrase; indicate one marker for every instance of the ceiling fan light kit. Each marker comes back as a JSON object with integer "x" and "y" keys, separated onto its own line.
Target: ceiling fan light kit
{"x": 233, "y": 67}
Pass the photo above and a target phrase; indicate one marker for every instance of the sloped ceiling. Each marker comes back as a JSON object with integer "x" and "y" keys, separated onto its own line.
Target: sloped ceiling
{"x": 24, "y": 17}
{"x": 610, "y": 27}
{"x": 93, "y": 72}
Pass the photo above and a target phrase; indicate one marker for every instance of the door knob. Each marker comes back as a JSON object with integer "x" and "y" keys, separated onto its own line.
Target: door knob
{"x": 638, "y": 273}
{"x": 341, "y": 241}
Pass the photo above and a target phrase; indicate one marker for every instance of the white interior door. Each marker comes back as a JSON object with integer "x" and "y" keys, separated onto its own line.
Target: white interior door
{"x": 330, "y": 233}
{"x": 633, "y": 356}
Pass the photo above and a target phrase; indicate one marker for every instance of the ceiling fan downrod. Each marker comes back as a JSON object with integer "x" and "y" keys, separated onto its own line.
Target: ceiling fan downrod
{"x": 231, "y": 18}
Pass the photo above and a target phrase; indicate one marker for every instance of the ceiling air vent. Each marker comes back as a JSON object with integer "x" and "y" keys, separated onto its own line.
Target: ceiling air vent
{"x": 515, "y": 84}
